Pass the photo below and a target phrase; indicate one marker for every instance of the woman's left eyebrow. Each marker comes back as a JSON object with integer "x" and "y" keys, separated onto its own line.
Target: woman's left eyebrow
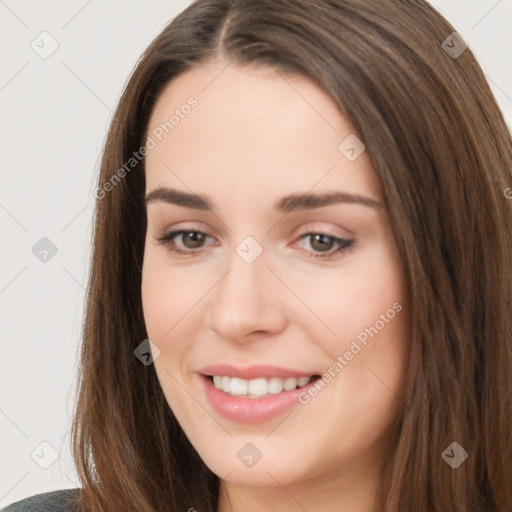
{"x": 305, "y": 201}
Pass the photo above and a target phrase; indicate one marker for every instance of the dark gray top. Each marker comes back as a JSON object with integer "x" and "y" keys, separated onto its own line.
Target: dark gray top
{"x": 55, "y": 501}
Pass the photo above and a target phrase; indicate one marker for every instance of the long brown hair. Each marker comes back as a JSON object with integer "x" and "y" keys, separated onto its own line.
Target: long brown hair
{"x": 443, "y": 155}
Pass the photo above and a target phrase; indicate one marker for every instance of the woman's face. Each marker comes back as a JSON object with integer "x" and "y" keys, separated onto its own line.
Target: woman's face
{"x": 271, "y": 292}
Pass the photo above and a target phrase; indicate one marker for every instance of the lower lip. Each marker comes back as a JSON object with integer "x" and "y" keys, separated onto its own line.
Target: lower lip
{"x": 251, "y": 410}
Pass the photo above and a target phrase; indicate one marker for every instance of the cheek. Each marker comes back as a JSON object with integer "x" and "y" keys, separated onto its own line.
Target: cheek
{"x": 361, "y": 301}
{"x": 166, "y": 293}
{"x": 373, "y": 337}
{"x": 156, "y": 301}
{"x": 164, "y": 306}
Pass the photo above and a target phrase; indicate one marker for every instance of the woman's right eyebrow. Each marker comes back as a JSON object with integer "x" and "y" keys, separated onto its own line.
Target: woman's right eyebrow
{"x": 297, "y": 202}
{"x": 179, "y": 198}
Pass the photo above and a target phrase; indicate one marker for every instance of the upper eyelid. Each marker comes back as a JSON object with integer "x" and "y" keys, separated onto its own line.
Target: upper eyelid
{"x": 172, "y": 234}
{"x": 315, "y": 229}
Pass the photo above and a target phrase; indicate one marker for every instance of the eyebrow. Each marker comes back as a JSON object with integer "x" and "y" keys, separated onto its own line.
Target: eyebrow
{"x": 285, "y": 204}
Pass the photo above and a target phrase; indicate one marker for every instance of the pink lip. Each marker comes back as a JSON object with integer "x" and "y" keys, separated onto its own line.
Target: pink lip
{"x": 251, "y": 410}
{"x": 254, "y": 371}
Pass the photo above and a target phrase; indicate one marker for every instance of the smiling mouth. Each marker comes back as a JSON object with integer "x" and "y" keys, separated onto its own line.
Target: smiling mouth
{"x": 260, "y": 387}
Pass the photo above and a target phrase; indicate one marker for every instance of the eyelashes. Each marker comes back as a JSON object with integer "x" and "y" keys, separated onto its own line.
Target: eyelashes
{"x": 341, "y": 245}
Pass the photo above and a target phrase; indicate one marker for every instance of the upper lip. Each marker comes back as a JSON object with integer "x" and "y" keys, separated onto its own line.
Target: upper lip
{"x": 253, "y": 372}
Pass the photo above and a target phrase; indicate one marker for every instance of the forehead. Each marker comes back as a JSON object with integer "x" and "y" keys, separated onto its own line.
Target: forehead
{"x": 251, "y": 128}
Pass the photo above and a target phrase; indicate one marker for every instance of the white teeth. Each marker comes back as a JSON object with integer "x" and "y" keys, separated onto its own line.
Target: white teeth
{"x": 226, "y": 384}
{"x": 238, "y": 386}
{"x": 257, "y": 388}
{"x": 290, "y": 384}
{"x": 275, "y": 385}
{"x": 303, "y": 381}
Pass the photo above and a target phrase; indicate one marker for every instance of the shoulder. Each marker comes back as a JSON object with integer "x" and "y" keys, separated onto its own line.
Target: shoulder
{"x": 64, "y": 500}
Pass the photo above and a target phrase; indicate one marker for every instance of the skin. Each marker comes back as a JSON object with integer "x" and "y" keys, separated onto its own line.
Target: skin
{"x": 254, "y": 137}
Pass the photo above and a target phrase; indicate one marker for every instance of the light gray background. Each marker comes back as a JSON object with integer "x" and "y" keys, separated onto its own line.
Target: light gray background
{"x": 55, "y": 113}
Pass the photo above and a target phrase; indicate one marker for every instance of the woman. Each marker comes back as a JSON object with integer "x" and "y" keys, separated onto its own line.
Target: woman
{"x": 301, "y": 278}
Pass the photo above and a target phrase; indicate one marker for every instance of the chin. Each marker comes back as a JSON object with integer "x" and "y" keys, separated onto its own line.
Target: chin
{"x": 256, "y": 461}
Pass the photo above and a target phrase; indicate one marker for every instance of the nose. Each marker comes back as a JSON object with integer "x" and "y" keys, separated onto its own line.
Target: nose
{"x": 246, "y": 302}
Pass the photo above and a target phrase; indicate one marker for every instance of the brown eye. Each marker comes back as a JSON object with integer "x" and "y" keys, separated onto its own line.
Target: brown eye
{"x": 195, "y": 238}
{"x": 324, "y": 245}
{"x": 321, "y": 243}
{"x": 192, "y": 241}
